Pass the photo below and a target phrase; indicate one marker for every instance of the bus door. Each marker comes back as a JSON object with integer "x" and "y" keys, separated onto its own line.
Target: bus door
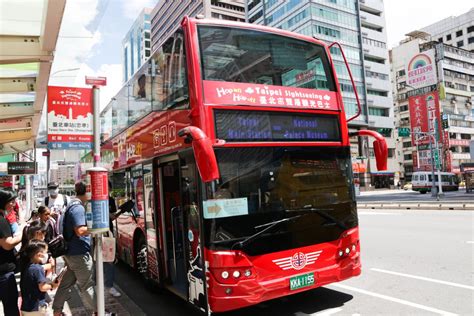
{"x": 173, "y": 228}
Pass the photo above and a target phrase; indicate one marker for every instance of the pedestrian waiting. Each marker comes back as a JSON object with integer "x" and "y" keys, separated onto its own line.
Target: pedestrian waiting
{"x": 33, "y": 283}
{"x": 8, "y": 288}
{"x": 78, "y": 259}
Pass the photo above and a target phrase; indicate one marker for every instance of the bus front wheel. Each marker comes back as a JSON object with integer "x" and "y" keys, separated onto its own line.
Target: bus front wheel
{"x": 142, "y": 258}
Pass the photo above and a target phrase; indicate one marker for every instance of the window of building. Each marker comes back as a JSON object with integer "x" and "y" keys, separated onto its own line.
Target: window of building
{"x": 440, "y": 39}
{"x": 378, "y": 112}
{"x": 461, "y": 86}
{"x": 401, "y": 73}
{"x": 470, "y": 40}
{"x": 406, "y": 144}
{"x": 376, "y": 92}
{"x": 472, "y": 88}
{"x": 470, "y": 29}
{"x": 407, "y": 157}
{"x": 465, "y": 149}
{"x": 377, "y": 60}
{"x": 459, "y": 33}
{"x": 391, "y": 152}
{"x": 448, "y": 37}
{"x": 373, "y": 42}
{"x": 460, "y": 43}
{"x": 376, "y": 75}
{"x": 465, "y": 136}
{"x": 373, "y": 28}
{"x": 403, "y": 108}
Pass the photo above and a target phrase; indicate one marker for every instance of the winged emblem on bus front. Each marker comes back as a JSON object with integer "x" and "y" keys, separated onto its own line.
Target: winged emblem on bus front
{"x": 298, "y": 261}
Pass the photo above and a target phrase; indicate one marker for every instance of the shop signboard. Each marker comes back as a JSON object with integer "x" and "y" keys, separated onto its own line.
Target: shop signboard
{"x": 421, "y": 70}
{"x": 21, "y": 167}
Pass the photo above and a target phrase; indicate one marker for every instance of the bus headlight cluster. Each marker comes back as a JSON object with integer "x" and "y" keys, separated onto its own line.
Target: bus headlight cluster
{"x": 347, "y": 250}
{"x": 233, "y": 275}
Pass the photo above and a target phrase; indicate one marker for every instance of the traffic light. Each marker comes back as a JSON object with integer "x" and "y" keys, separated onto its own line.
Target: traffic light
{"x": 386, "y": 132}
{"x": 445, "y": 121}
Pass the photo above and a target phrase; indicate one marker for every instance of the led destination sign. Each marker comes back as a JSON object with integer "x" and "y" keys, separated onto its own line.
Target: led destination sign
{"x": 245, "y": 126}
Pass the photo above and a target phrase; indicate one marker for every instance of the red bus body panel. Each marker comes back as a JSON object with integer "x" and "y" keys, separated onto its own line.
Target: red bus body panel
{"x": 269, "y": 280}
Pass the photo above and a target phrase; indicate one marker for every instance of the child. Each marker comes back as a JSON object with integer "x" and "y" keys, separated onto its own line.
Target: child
{"x": 35, "y": 230}
{"x": 33, "y": 283}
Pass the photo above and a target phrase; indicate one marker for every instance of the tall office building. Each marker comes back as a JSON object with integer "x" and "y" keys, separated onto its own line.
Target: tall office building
{"x": 423, "y": 65}
{"x": 167, "y": 15}
{"x": 359, "y": 26}
{"x": 136, "y": 46}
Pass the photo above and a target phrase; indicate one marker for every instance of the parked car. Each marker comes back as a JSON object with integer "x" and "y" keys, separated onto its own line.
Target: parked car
{"x": 407, "y": 186}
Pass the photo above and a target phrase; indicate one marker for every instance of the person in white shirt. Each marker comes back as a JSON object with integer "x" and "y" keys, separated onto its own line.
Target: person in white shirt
{"x": 57, "y": 203}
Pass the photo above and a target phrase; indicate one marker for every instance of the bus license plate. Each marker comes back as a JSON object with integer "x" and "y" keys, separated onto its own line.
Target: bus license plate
{"x": 300, "y": 281}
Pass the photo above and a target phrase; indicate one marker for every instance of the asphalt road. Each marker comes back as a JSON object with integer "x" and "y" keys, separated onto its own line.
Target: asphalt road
{"x": 414, "y": 263}
{"x": 409, "y": 196}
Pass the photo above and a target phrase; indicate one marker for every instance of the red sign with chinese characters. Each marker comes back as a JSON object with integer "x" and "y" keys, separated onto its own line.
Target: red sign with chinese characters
{"x": 236, "y": 93}
{"x": 69, "y": 118}
{"x": 424, "y": 118}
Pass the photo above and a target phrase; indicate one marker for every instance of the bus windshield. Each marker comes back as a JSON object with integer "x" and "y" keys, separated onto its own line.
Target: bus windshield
{"x": 249, "y": 56}
{"x": 260, "y": 186}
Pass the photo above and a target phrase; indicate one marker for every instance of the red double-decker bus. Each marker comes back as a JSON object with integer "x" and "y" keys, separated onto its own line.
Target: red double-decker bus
{"x": 233, "y": 145}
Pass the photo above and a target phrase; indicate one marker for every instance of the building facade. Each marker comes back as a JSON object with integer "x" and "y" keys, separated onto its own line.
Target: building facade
{"x": 359, "y": 26}
{"x": 455, "y": 31}
{"x": 167, "y": 15}
{"x": 453, "y": 91}
{"x": 136, "y": 45}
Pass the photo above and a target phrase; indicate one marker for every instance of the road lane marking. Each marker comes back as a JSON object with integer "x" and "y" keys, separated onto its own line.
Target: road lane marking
{"x": 326, "y": 312}
{"x": 378, "y": 213}
{"x": 424, "y": 279}
{"x": 393, "y": 299}
{"x": 470, "y": 242}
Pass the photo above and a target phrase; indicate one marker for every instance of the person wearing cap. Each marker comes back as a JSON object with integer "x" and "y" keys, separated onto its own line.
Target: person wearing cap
{"x": 8, "y": 288}
{"x": 77, "y": 258}
{"x": 57, "y": 204}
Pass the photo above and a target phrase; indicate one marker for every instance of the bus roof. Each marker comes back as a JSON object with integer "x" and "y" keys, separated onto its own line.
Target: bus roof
{"x": 244, "y": 25}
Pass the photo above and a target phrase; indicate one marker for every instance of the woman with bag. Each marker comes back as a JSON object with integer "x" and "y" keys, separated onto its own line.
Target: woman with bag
{"x": 8, "y": 289}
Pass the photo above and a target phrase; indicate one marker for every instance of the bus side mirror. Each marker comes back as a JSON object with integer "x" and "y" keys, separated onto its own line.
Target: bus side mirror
{"x": 203, "y": 152}
{"x": 380, "y": 147}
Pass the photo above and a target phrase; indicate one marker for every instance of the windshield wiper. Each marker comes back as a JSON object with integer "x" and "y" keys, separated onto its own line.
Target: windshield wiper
{"x": 323, "y": 214}
{"x": 270, "y": 225}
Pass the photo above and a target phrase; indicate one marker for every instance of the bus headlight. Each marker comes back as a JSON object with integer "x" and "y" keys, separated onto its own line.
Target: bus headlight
{"x": 225, "y": 274}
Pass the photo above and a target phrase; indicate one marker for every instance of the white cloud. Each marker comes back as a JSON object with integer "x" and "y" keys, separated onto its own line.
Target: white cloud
{"x": 131, "y": 9}
{"x": 76, "y": 42}
{"x": 113, "y": 73}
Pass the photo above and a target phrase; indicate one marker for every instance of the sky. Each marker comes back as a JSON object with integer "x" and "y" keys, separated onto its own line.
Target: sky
{"x": 92, "y": 31}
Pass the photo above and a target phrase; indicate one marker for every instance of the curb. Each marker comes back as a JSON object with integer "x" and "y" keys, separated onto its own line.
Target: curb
{"x": 418, "y": 205}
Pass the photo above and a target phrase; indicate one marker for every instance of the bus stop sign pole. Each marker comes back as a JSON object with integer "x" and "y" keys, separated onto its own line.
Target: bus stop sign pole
{"x": 98, "y": 237}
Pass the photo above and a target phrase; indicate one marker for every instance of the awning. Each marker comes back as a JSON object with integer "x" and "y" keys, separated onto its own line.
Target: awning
{"x": 28, "y": 34}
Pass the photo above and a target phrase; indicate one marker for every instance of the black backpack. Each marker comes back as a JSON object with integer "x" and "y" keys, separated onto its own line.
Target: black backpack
{"x": 58, "y": 245}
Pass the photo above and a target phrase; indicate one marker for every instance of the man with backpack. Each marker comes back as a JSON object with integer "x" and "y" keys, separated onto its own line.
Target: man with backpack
{"x": 57, "y": 203}
{"x": 78, "y": 258}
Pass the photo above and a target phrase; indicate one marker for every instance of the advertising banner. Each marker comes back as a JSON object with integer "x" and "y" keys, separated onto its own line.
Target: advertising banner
{"x": 236, "y": 93}
{"x": 424, "y": 118}
{"x": 421, "y": 70}
{"x": 69, "y": 118}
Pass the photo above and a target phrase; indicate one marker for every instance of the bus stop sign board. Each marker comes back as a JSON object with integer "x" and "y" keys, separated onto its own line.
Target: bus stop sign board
{"x": 98, "y": 81}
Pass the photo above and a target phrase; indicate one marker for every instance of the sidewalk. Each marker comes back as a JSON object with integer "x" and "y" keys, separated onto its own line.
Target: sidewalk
{"x": 122, "y": 306}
